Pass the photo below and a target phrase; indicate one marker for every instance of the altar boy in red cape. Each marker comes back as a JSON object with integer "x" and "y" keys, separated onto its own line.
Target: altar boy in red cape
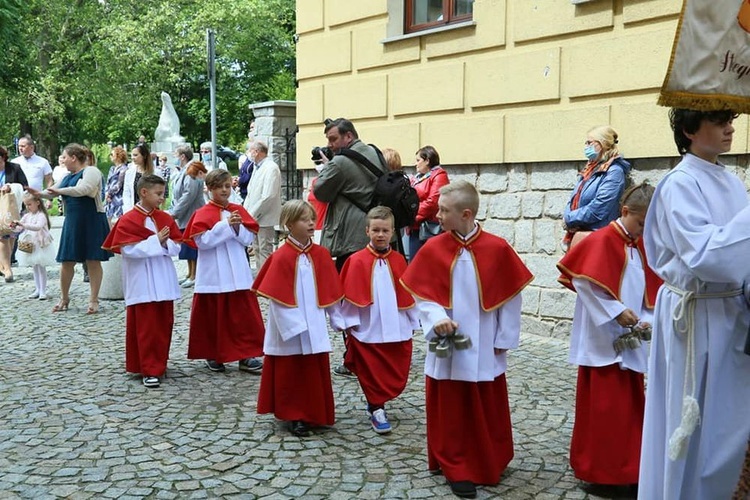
{"x": 469, "y": 282}
{"x": 301, "y": 281}
{"x": 225, "y": 320}
{"x": 381, "y": 317}
{"x": 147, "y": 239}
{"x": 616, "y": 289}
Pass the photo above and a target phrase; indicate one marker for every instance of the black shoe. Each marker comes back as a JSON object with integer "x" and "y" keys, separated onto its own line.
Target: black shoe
{"x": 463, "y": 489}
{"x": 299, "y": 428}
{"x": 252, "y": 365}
{"x": 214, "y": 366}
{"x": 343, "y": 371}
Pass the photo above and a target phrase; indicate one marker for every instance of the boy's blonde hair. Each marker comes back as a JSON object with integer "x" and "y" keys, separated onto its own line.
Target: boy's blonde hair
{"x": 381, "y": 213}
{"x": 217, "y": 177}
{"x": 294, "y": 210}
{"x": 464, "y": 195}
{"x": 638, "y": 198}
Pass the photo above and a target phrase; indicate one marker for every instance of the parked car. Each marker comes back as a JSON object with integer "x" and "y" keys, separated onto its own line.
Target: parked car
{"x": 226, "y": 153}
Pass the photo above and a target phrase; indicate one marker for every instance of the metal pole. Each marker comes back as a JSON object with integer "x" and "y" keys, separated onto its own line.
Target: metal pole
{"x": 211, "y": 41}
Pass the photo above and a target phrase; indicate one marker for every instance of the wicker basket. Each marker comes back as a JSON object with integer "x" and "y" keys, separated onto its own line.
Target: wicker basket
{"x": 26, "y": 246}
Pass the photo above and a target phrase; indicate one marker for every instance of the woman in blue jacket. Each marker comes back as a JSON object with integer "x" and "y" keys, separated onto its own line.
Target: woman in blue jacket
{"x": 595, "y": 200}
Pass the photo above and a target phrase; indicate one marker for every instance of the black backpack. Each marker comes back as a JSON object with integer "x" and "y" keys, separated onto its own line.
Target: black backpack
{"x": 392, "y": 189}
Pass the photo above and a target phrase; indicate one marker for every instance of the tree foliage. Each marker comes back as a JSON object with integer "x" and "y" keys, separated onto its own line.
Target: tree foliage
{"x": 93, "y": 70}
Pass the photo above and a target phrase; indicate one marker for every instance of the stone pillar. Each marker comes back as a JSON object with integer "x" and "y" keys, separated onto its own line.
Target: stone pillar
{"x": 276, "y": 124}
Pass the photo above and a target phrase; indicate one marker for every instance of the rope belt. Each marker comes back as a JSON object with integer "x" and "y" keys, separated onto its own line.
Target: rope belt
{"x": 683, "y": 318}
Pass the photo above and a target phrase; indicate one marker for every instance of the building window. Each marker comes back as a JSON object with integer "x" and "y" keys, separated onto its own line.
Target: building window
{"x": 428, "y": 14}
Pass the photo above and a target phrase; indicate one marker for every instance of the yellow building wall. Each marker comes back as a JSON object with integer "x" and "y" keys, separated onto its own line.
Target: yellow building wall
{"x": 523, "y": 84}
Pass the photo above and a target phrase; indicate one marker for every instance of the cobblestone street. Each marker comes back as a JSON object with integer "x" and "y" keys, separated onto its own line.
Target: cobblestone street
{"x": 74, "y": 424}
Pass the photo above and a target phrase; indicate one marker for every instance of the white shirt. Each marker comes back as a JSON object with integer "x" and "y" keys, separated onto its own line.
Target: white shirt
{"x": 148, "y": 273}
{"x": 34, "y": 168}
{"x": 263, "y": 199}
{"x": 222, "y": 260}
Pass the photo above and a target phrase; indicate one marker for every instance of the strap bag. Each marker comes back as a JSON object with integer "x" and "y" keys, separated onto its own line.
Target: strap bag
{"x": 429, "y": 229}
{"x": 8, "y": 213}
{"x": 392, "y": 189}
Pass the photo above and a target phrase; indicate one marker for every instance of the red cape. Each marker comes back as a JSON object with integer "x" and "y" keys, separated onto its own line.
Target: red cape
{"x": 601, "y": 259}
{"x": 209, "y": 215}
{"x": 356, "y": 276}
{"x": 131, "y": 228}
{"x": 500, "y": 272}
{"x": 277, "y": 279}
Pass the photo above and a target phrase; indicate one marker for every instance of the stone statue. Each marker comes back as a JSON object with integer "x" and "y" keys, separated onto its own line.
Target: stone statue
{"x": 168, "y": 129}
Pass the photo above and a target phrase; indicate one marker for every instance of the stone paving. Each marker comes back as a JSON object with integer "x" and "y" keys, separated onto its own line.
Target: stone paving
{"x": 74, "y": 424}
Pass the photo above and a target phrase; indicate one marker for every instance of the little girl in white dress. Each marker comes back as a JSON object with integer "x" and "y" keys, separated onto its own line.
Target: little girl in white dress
{"x": 35, "y": 236}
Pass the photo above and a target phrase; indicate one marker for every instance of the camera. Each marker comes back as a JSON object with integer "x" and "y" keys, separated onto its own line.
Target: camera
{"x": 316, "y": 152}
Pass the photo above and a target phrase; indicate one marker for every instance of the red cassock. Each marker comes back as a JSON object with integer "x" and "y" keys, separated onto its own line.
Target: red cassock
{"x": 469, "y": 433}
{"x": 228, "y": 326}
{"x": 606, "y": 444}
{"x": 298, "y": 386}
{"x": 148, "y": 326}
{"x": 381, "y": 368}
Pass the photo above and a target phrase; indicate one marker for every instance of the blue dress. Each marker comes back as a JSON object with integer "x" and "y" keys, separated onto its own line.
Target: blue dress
{"x": 84, "y": 229}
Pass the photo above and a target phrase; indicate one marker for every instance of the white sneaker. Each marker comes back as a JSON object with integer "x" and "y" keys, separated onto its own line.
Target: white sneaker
{"x": 42, "y": 296}
{"x": 188, "y": 283}
{"x": 34, "y": 295}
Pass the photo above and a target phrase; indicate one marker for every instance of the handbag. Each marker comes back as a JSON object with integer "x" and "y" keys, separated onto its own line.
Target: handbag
{"x": 8, "y": 213}
{"x": 428, "y": 229}
{"x": 25, "y": 244}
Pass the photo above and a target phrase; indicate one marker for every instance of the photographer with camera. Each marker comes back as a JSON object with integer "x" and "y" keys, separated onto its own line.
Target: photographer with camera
{"x": 347, "y": 187}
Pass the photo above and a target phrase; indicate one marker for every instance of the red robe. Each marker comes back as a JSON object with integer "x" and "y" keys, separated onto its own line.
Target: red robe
{"x": 469, "y": 433}
{"x": 501, "y": 274}
{"x": 277, "y": 278}
{"x": 148, "y": 326}
{"x": 209, "y": 215}
{"x": 607, "y": 397}
{"x": 601, "y": 259}
{"x": 382, "y": 369}
{"x": 131, "y": 228}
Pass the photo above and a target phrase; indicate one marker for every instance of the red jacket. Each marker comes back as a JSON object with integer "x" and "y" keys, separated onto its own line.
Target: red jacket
{"x": 428, "y": 190}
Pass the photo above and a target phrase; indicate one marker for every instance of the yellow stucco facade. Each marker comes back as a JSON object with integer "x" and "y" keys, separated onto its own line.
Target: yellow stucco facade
{"x": 522, "y": 83}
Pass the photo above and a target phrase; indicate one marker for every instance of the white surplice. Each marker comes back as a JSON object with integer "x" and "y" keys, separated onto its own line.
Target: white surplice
{"x": 594, "y": 326}
{"x": 148, "y": 273}
{"x": 382, "y": 321}
{"x": 697, "y": 238}
{"x": 301, "y": 329}
{"x": 222, "y": 259}
{"x": 496, "y": 329}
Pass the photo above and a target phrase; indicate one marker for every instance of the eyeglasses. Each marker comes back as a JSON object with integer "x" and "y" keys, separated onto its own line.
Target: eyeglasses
{"x": 589, "y": 143}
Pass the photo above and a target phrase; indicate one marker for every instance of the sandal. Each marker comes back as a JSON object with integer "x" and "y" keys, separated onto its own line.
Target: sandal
{"x": 61, "y": 306}
{"x": 93, "y": 307}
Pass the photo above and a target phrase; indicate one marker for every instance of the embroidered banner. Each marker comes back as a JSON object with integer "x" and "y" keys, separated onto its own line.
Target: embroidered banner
{"x": 710, "y": 64}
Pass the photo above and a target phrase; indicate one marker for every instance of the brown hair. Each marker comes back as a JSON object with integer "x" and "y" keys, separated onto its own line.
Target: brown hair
{"x": 430, "y": 154}
{"x": 148, "y": 181}
{"x": 638, "y": 198}
{"x": 77, "y": 151}
{"x": 217, "y": 177}
{"x": 42, "y": 208}
{"x": 148, "y": 165}
{"x": 120, "y": 155}
{"x": 381, "y": 213}
{"x": 196, "y": 168}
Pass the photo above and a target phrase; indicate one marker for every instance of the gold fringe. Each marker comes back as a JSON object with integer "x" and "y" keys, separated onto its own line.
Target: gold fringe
{"x": 704, "y": 102}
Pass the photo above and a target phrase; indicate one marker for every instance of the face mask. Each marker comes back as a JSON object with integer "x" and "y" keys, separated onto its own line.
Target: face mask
{"x": 176, "y": 162}
{"x": 590, "y": 152}
{"x": 206, "y": 157}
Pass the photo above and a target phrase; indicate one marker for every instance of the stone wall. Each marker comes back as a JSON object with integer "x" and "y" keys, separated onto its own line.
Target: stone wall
{"x": 274, "y": 122}
{"x": 524, "y": 203}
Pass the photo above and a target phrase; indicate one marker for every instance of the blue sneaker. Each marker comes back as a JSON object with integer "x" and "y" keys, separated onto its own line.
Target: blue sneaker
{"x": 379, "y": 421}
